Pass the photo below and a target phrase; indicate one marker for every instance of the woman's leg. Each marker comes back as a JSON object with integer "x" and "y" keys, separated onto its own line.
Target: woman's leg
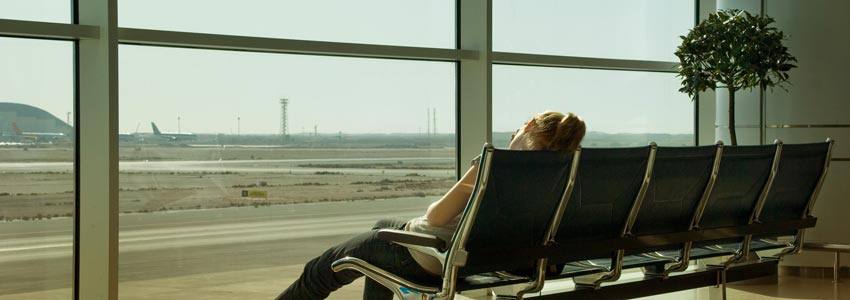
{"x": 389, "y": 224}
{"x": 318, "y": 280}
{"x": 372, "y": 290}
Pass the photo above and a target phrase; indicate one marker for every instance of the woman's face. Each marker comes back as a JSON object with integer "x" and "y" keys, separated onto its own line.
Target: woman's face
{"x": 521, "y": 140}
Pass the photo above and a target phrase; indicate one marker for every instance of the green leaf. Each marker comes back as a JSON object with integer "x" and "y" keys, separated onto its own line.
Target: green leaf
{"x": 733, "y": 48}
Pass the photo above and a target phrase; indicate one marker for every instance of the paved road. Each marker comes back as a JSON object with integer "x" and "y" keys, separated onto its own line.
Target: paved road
{"x": 36, "y": 255}
{"x": 266, "y": 165}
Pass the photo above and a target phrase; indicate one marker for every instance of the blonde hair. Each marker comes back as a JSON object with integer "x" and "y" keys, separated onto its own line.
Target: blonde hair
{"x": 555, "y": 131}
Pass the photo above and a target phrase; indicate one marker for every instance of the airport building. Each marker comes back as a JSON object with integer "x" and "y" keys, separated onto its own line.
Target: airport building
{"x": 681, "y": 149}
{"x": 30, "y": 119}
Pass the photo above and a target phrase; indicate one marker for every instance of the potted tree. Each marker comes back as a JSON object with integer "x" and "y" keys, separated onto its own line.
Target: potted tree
{"x": 736, "y": 50}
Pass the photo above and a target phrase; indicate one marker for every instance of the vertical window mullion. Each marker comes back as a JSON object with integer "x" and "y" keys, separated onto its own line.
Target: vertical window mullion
{"x": 475, "y": 77}
{"x": 96, "y": 237}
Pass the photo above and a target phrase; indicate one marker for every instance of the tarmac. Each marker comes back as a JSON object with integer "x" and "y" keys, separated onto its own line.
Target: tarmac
{"x": 210, "y": 252}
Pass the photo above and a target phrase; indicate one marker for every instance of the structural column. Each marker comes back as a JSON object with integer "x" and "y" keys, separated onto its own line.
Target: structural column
{"x": 474, "y": 79}
{"x": 96, "y": 230}
{"x": 747, "y": 102}
{"x": 706, "y": 103}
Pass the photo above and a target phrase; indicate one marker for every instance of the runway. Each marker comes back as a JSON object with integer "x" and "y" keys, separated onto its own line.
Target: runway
{"x": 265, "y": 165}
{"x": 36, "y": 255}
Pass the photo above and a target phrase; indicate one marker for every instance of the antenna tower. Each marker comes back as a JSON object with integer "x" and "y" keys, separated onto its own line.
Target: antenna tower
{"x": 434, "y": 122}
{"x": 428, "y": 122}
{"x": 284, "y": 119}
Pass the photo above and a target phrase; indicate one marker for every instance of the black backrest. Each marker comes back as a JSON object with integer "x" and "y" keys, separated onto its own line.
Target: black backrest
{"x": 607, "y": 185}
{"x": 744, "y": 171}
{"x": 800, "y": 168}
{"x": 678, "y": 182}
{"x": 522, "y": 193}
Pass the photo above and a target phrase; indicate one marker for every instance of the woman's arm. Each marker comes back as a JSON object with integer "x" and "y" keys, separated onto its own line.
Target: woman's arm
{"x": 454, "y": 201}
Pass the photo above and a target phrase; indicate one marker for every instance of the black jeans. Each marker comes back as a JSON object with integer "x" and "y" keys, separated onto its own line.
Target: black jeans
{"x": 318, "y": 280}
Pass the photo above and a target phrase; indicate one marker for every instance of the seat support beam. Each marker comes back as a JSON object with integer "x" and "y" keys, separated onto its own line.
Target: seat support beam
{"x": 650, "y": 286}
{"x": 591, "y": 249}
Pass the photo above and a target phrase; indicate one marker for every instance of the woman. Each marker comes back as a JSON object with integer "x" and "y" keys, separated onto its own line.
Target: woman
{"x": 552, "y": 131}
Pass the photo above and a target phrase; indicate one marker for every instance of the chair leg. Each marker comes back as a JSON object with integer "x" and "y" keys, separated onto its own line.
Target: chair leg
{"x": 836, "y": 268}
{"x": 723, "y": 283}
{"x": 663, "y": 270}
{"x": 595, "y": 281}
{"x": 492, "y": 294}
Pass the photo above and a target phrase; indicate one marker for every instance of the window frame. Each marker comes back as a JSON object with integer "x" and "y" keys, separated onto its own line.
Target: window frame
{"x": 96, "y": 37}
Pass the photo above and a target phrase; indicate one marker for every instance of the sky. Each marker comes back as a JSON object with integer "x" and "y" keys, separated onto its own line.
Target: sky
{"x": 210, "y": 89}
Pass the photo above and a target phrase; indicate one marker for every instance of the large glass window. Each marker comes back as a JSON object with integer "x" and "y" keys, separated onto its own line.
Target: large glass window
{"x": 425, "y": 23}
{"x": 36, "y": 10}
{"x": 216, "y": 199}
{"x": 625, "y": 29}
{"x": 620, "y": 108}
{"x": 36, "y": 169}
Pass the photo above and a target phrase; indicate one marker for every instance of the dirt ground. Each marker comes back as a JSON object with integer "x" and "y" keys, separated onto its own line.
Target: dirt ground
{"x": 35, "y": 194}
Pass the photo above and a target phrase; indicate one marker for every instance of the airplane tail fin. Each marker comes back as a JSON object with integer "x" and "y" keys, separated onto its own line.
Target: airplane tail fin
{"x": 16, "y": 129}
{"x": 155, "y": 129}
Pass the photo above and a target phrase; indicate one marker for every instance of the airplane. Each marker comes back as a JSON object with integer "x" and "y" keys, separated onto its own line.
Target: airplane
{"x": 37, "y": 136}
{"x": 6, "y": 134}
{"x": 127, "y": 137}
{"x": 8, "y": 138}
{"x": 172, "y": 136}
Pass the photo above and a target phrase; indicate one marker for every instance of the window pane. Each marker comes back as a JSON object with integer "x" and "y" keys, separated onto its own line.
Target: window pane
{"x": 625, "y": 29}
{"x": 233, "y": 203}
{"x": 36, "y": 10}
{"x": 620, "y": 108}
{"x": 425, "y": 23}
{"x": 36, "y": 169}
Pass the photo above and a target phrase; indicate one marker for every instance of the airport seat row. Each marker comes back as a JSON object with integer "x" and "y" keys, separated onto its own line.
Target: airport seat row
{"x": 537, "y": 216}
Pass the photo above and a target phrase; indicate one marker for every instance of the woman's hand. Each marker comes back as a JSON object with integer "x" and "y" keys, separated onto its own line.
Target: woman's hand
{"x": 454, "y": 201}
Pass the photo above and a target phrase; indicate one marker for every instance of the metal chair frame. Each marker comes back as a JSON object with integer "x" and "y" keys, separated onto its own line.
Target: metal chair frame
{"x": 455, "y": 256}
{"x": 744, "y": 254}
{"x": 681, "y": 263}
{"x": 799, "y": 238}
{"x": 595, "y": 280}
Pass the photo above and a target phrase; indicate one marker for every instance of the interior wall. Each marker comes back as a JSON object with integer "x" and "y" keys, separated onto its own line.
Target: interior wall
{"x": 818, "y": 32}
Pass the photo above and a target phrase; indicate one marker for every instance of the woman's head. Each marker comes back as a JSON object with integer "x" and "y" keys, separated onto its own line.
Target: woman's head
{"x": 551, "y": 131}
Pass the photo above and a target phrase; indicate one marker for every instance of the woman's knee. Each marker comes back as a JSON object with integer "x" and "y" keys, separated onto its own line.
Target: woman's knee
{"x": 388, "y": 223}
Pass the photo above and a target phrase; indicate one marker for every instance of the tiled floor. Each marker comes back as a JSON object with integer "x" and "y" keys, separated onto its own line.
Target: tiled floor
{"x": 789, "y": 287}
{"x": 266, "y": 283}
{"x": 794, "y": 288}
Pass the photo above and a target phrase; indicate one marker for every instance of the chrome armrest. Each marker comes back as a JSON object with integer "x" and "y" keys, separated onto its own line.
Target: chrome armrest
{"x": 387, "y": 279}
{"x": 423, "y": 243}
{"x": 412, "y": 238}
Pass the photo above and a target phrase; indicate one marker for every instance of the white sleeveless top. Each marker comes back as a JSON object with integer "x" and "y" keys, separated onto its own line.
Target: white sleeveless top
{"x": 445, "y": 233}
{"x": 421, "y": 225}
